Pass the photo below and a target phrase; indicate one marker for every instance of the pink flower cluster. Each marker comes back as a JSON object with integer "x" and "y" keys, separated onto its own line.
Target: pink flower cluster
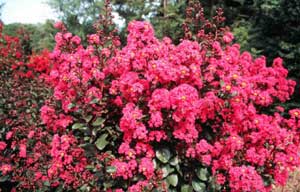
{"x": 68, "y": 162}
{"x": 52, "y": 120}
{"x": 75, "y": 72}
{"x": 179, "y": 94}
{"x": 177, "y": 85}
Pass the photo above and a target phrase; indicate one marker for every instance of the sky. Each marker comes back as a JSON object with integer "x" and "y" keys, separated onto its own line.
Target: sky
{"x": 33, "y": 11}
{"x": 26, "y": 11}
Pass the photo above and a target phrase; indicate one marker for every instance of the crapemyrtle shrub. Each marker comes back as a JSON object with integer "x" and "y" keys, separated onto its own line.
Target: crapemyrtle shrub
{"x": 10, "y": 50}
{"x": 155, "y": 116}
{"x": 36, "y": 65}
{"x": 159, "y": 116}
{"x": 24, "y": 144}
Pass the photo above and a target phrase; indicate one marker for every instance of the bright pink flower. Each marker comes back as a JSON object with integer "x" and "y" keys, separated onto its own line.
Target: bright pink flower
{"x": 93, "y": 93}
{"x": 295, "y": 113}
{"x": 94, "y": 39}
{"x": 47, "y": 114}
{"x": 9, "y": 135}
{"x": 30, "y": 134}
{"x": 67, "y": 36}
{"x": 146, "y": 167}
{"x": 203, "y": 147}
{"x": 184, "y": 99}
{"x": 156, "y": 119}
{"x": 58, "y": 25}
{"x": 228, "y": 37}
{"x": 139, "y": 186}
{"x": 124, "y": 169}
{"x": 157, "y": 136}
{"x": 280, "y": 109}
{"x": 190, "y": 152}
{"x": 105, "y": 52}
{"x": 160, "y": 99}
{"x": 23, "y": 151}
{"x": 220, "y": 178}
{"x": 2, "y": 145}
{"x": 37, "y": 175}
{"x": 206, "y": 159}
{"x": 5, "y": 168}
{"x": 76, "y": 40}
{"x": 63, "y": 121}
{"x": 59, "y": 39}
{"x": 245, "y": 178}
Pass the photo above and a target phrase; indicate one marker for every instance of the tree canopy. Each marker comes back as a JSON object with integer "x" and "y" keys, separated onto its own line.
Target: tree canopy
{"x": 78, "y": 15}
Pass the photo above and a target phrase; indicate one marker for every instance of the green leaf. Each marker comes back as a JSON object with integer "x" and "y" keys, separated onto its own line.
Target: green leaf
{"x": 78, "y": 126}
{"x": 202, "y": 174}
{"x": 163, "y": 155}
{"x": 154, "y": 164}
{"x": 186, "y": 188}
{"x": 177, "y": 167}
{"x": 47, "y": 183}
{"x": 88, "y": 118}
{"x": 172, "y": 180}
{"x": 89, "y": 147}
{"x": 166, "y": 170}
{"x": 84, "y": 188}
{"x": 107, "y": 185}
{"x": 99, "y": 121}
{"x": 174, "y": 161}
{"x": 90, "y": 167}
{"x": 111, "y": 169}
{"x": 222, "y": 83}
{"x": 94, "y": 101}
{"x": 59, "y": 189}
{"x": 198, "y": 186}
{"x": 101, "y": 142}
{"x": 71, "y": 105}
{"x": 86, "y": 138}
{"x": 4, "y": 178}
{"x": 96, "y": 130}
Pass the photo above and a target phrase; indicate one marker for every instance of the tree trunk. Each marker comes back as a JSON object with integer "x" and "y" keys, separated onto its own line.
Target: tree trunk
{"x": 211, "y": 5}
{"x": 164, "y": 4}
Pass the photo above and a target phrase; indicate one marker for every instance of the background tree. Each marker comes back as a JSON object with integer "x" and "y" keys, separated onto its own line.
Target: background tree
{"x": 165, "y": 15}
{"x": 129, "y": 10}
{"x": 168, "y": 19}
{"x": 38, "y": 36}
{"x": 23, "y": 32}
{"x": 1, "y": 9}
{"x": 44, "y": 36}
{"x": 78, "y": 15}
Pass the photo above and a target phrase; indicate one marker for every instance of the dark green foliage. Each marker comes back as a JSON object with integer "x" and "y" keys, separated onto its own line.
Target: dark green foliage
{"x": 169, "y": 18}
